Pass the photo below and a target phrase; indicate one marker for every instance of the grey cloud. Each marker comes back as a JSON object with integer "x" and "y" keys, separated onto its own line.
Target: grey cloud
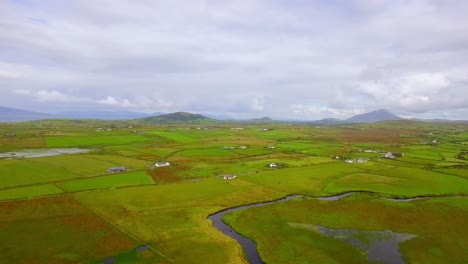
{"x": 238, "y": 57}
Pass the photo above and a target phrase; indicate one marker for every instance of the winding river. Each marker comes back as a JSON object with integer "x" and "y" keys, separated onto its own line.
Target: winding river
{"x": 250, "y": 248}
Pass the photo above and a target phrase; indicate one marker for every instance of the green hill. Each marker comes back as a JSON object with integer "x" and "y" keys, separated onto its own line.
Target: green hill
{"x": 177, "y": 117}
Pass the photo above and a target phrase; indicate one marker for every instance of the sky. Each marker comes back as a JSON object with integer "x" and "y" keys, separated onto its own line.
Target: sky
{"x": 289, "y": 59}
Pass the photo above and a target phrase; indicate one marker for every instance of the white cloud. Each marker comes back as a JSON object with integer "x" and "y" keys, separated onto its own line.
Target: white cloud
{"x": 9, "y": 75}
{"x": 141, "y": 103}
{"x": 50, "y": 96}
{"x": 109, "y": 100}
{"x": 258, "y": 103}
{"x": 419, "y": 92}
{"x": 219, "y": 56}
{"x": 321, "y": 112}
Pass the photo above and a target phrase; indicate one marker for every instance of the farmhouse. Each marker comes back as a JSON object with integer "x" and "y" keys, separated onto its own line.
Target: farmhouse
{"x": 388, "y": 155}
{"x": 362, "y": 160}
{"x": 117, "y": 169}
{"x": 162, "y": 164}
{"x": 243, "y": 147}
{"x": 272, "y": 165}
{"x": 229, "y": 177}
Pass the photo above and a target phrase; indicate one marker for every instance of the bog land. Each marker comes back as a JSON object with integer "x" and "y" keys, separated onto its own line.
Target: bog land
{"x": 114, "y": 204}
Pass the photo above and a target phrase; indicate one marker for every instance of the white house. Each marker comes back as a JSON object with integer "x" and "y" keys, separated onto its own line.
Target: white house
{"x": 389, "y": 155}
{"x": 272, "y": 165}
{"x": 362, "y": 160}
{"x": 117, "y": 169}
{"x": 271, "y": 147}
{"x": 243, "y": 147}
{"x": 229, "y": 177}
{"x": 162, "y": 164}
{"x": 349, "y": 161}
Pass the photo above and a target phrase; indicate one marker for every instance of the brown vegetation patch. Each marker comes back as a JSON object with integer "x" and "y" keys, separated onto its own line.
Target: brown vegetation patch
{"x": 167, "y": 174}
{"x": 148, "y": 157}
{"x": 44, "y": 229}
{"x": 40, "y": 208}
{"x": 19, "y": 143}
{"x": 370, "y": 135}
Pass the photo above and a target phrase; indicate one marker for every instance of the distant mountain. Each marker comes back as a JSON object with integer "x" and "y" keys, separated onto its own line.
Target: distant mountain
{"x": 328, "y": 122}
{"x": 218, "y": 117}
{"x": 8, "y": 114}
{"x": 261, "y": 120}
{"x": 438, "y": 120}
{"x": 374, "y": 116}
{"x": 177, "y": 117}
{"x": 105, "y": 115}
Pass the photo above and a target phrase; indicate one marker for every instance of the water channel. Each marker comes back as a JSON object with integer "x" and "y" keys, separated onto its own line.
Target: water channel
{"x": 383, "y": 246}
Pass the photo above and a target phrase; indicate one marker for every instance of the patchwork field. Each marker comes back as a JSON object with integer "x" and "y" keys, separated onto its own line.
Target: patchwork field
{"x": 71, "y": 209}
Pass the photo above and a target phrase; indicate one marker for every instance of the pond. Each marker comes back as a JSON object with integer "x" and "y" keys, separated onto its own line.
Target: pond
{"x": 381, "y": 246}
{"x": 38, "y": 153}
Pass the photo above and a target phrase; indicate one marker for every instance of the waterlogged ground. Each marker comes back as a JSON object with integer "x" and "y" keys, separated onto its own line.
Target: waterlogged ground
{"x": 380, "y": 246}
{"x": 38, "y": 153}
{"x": 68, "y": 209}
{"x": 359, "y": 228}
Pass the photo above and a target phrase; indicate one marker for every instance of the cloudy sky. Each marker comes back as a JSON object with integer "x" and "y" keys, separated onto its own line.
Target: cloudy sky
{"x": 292, "y": 59}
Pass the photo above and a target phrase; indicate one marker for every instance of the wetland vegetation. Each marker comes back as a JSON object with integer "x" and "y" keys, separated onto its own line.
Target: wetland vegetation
{"x": 68, "y": 208}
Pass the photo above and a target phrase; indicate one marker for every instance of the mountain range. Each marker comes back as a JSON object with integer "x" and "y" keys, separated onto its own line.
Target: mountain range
{"x": 17, "y": 115}
{"x": 177, "y": 117}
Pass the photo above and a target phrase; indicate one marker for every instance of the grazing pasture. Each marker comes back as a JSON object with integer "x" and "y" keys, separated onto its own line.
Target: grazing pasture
{"x": 92, "y": 140}
{"x": 70, "y": 209}
{"x": 109, "y": 181}
{"x": 285, "y": 231}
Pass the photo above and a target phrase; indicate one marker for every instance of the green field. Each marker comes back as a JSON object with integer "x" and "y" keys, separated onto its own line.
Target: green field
{"x": 71, "y": 141}
{"x": 285, "y": 231}
{"x": 70, "y": 209}
{"x": 28, "y": 171}
{"x": 111, "y": 181}
{"x": 28, "y": 192}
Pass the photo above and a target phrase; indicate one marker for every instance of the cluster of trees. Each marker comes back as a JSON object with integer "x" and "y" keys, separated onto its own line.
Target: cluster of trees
{"x": 461, "y": 155}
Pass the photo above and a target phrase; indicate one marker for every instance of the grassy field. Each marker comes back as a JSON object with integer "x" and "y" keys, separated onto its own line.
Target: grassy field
{"x": 29, "y": 191}
{"x": 283, "y": 233}
{"x": 28, "y": 171}
{"x": 110, "y": 181}
{"x": 71, "y": 141}
{"x": 69, "y": 209}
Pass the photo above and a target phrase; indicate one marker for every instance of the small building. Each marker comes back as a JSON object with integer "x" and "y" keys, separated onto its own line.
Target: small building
{"x": 10, "y": 134}
{"x": 117, "y": 169}
{"x": 162, "y": 164}
{"x": 389, "y": 155}
{"x": 349, "y": 161}
{"x": 272, "y": 165}
{"x": 229, "y": 177}
{"x": 243, "y": 147}
{"x": 362, "y": 160}
{"x": 228, "y": 147}
{"x": 270, "y": 147}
